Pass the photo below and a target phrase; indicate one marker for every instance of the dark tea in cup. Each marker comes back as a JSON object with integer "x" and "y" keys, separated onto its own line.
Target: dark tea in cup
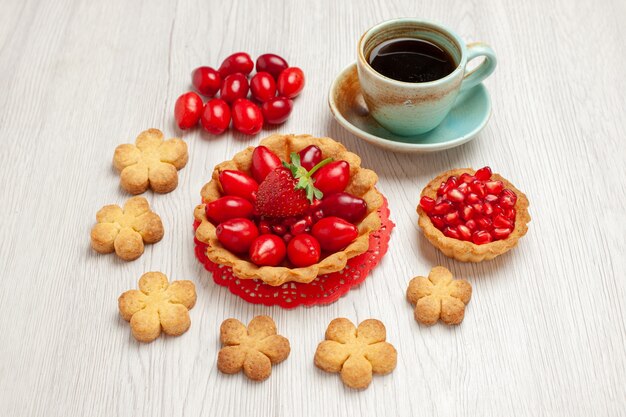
{"x": 411, "y": 60}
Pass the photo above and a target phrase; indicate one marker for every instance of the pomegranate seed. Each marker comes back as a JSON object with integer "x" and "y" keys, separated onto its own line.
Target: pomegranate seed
{"x": 508, "y": 198}
{"x": 450, "y": 184}
{"x": 478, "y": 188}
{"x": 443, "y": 208}
{"x": 289, "y": 221}
{"x": 279, "y": 229}
{"x": 467, "y": 213}
{"x": 438, "y": 222}
{"x": 501, "y": 233}
{"x": 488, "y": 208}
{"x": 509, "y": 213}
{"x": 494, "y": 187}
{"x": 466, "y": 178}
{"x": 315, "y": 204}
{"x": 264, "y": 227}
{"x": 464, "y": 188}
{"x": 308, "y": 219}
{"x": 451, "y": 232}
{"x": 318, "y": 215}
{"x": 471, "y": 224}
{"x": 481, "y": 237}
{"x": 287, "y": 237}
{"x": 502, "y": 222}
{"x": 484, "y": 223}
{"x": 452, "y": 218}
{"x": 464, "y": 231}
{"x": 491, "y": 198}
{"x": 440, "y": 189}
{"x": 472, "y": 198}
{"x": 478, "y": 207}
{"x": 483, "y": 174}
{"x": 427, "y": 204}
{"x": 497, "y": 210}
{"x": 298, "y": 227}
{"x": 456, "y": 196}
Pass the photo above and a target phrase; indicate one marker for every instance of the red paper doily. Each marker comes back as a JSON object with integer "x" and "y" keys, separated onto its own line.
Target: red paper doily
{"x": 325, "y": 289}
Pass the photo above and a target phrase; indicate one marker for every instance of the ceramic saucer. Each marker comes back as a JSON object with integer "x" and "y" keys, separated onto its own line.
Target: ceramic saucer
{"x": 468, "y": 117}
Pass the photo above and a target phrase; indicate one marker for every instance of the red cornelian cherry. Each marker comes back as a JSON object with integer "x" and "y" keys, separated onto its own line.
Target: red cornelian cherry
{"x": 303, "y": 250}
{"x": 216, "y": 116}
{"x": 271, "y": 63}
{"x": 276, "y": 110}
{"x": 237, "y": 234}
{"x": 239, "y": 184}
{"x": 247, "y": 117}
{"x": 333, "y": 177}
{"x": 310, "y": 156}
{"x": 263, "y": 86}
{"x": 334, "y": 233}
{"x": 228, "y": 207}
{"x": 345, "y": 206}
{"x": 267, "y": 250}
{"x": 290, "y": 82}
{"x": 187, "y": 110}
{"x": 206, "y": 81}
{"x": 264, "y": 161}
{"x": 235, "y": 86}
{"x": 239, "y": 62}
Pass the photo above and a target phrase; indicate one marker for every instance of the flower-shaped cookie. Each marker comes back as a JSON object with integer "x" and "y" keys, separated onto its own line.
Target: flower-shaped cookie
{"x": 356, "y": 352}
{"x": 150, "y": 162}
{"x": 125, "y": 230}
{"x": 254, "y": 349}
{"x": 158, "y": 305}
{"x": 439, "y": 297}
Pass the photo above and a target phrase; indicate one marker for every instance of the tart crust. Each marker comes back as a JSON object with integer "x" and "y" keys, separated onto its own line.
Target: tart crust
{"x": 362, "y": 184}
{"x": 465, "y": 251}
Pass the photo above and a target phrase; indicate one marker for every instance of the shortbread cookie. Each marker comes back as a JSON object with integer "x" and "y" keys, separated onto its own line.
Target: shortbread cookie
{"x": 254, "y": 349}
{"x": 124, "y": 231}
{"x": 158, "y": 305}
{"x": 356, "y": 352}
{"x": 150, "y": 163}
{"x": 439, "y": 297}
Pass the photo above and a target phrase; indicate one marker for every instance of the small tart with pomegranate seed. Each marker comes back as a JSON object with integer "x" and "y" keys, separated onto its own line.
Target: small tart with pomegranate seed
{"x": 472, "y": 216}
{"x": 285, "y": 187}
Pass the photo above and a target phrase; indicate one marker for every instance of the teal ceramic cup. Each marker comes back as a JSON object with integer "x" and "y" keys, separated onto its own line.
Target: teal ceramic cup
{"x": 409, "y": 109}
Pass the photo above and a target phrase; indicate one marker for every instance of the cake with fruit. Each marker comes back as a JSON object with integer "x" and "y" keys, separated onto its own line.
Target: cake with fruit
{"x": 288, "y": 210}
{"x": 472, "y": 216}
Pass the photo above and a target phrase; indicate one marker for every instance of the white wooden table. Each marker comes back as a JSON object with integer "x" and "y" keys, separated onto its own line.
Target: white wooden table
{"x": 545, "y": 331}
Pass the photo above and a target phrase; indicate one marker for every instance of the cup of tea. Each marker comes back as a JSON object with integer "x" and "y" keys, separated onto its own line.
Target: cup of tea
{"x": 412, "y": 70}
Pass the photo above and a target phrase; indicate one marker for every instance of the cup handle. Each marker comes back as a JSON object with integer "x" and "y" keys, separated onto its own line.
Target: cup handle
{"x": 484, "y": 70}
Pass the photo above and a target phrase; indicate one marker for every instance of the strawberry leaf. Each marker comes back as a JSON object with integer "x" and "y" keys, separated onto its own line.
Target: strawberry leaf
{"x": 304, "y": 177}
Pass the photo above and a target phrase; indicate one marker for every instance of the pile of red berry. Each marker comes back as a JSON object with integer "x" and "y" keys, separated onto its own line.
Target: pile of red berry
{"x": 475, "y": 208}
{"x": 272, "y": 89}
{"x": 290, "y": 214}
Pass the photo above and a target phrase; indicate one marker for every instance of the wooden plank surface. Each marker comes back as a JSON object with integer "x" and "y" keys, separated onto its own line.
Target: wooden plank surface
{"x": 544, "y": 333}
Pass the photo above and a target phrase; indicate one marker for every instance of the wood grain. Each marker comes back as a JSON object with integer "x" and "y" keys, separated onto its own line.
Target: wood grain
{"x": 545, "y": 332}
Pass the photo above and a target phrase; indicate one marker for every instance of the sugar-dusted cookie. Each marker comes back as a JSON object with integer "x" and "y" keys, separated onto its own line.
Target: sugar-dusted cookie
{"x": 254, "y": 349}
{"x": 150, "y": 163}
{"x": 439, "y": 297}
{"x": 356, "y": 352}
{"x": 124, "y": 231}
{"x": 158, "y": 305}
